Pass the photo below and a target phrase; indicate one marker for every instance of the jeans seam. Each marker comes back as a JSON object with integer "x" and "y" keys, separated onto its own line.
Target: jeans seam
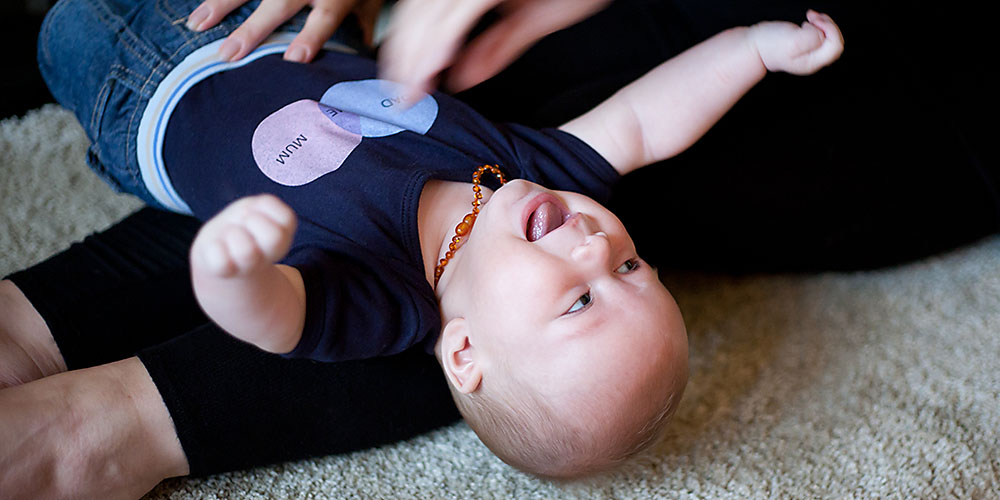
{"x": 98, "y": 109}
{"x": 135, "y": 46}
{"x": 121, "y": 73}
{"x": 132, "y": 140}
{"x": 151, "y": 80}
{"x": 170, "y": 15}
{"x": 127, "y": 39}
{"x": 126, "y": 75}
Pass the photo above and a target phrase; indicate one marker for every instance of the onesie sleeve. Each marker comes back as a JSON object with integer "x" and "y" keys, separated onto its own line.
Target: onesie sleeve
{"x": 355, "y": 312}
{"x": 559, "y": 160}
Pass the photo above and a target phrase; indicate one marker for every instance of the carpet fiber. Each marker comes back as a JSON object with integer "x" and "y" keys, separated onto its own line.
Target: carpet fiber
{"x": 881, "y": 384}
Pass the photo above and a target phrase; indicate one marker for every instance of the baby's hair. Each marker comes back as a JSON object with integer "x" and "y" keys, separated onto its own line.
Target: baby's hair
{"x": 526, "y": 432}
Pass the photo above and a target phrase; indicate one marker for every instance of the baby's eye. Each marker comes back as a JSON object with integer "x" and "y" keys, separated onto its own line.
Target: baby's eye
{"x": 629, "y": 266}
{"x": 580, "y": 303}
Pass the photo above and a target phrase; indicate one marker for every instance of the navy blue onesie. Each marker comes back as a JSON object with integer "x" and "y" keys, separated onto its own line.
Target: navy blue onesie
{"x": 337, "y": 145}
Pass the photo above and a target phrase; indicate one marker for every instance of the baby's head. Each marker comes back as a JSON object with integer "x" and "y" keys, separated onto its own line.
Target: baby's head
{"x": 563, "y": 350}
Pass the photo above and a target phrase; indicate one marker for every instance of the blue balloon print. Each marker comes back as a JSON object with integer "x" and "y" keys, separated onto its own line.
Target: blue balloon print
{"x": 380, "y": 106}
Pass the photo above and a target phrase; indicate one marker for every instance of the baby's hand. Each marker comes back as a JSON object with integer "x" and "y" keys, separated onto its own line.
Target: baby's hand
{"x": 249, "y": 233}
{"x": 799, "y": 50}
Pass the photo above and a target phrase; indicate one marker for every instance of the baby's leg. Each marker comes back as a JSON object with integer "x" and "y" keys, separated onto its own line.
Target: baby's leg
{"x": 102, "y": 59}
{"x": 27, "y": 350}
{"x": 99, "y": 432}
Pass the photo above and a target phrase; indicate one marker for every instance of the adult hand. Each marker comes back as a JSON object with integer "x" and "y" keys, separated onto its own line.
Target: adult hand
{"x": 323, "y": 20}
{"x": 426, "y": 36}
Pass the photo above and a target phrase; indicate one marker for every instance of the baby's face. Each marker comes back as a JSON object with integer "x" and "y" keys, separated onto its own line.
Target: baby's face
{"x": 553, "y": 290}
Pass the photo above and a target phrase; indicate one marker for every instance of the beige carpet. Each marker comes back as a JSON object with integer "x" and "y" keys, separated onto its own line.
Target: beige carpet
{"x": 866, "y": 385}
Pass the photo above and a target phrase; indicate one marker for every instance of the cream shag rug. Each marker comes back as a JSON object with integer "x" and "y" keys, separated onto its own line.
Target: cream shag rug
{"x": 880, "y": 384}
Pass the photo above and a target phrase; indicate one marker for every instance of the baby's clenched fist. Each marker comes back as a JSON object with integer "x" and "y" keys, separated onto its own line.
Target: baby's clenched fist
{"x": 249, "y": 233}
{"x": 795, "y": 49}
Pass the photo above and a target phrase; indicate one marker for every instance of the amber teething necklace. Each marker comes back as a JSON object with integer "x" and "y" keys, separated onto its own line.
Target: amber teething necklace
{"x": 465, "y": 226}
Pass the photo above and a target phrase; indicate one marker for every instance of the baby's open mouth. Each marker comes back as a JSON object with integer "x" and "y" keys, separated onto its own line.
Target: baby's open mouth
{"x": 544, "y": 219}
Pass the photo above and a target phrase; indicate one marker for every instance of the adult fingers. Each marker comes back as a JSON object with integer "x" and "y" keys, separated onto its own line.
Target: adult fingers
{"x": 423, "y": 38}
{"x": 323, "y": 20}
{"x": 493, "y": 50}
{"x": 524, "y": 23}
{"x": 269, "y": 15}
{"x": 367, "y": 12}
{"x": 210, "y": 12}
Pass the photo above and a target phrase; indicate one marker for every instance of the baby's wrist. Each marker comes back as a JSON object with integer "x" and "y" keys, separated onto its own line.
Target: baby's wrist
{"x": 752, "y": 36}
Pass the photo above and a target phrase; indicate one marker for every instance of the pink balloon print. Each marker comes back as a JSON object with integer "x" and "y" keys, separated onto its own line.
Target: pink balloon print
{"x": 301, "y": 142}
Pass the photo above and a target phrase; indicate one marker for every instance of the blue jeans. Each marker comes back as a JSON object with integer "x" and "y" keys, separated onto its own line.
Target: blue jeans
{"x": 103, "y": 59}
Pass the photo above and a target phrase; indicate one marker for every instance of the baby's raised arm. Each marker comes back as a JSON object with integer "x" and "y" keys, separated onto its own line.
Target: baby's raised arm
{"x": 236, "y": 281}
{"x": 666, "y": 110}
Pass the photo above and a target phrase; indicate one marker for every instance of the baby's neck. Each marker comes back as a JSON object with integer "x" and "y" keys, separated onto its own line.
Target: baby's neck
{"x": 442, "y": 206}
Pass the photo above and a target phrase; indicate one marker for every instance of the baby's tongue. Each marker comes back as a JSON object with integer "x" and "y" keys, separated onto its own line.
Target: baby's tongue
{"x": 544, "y": 219}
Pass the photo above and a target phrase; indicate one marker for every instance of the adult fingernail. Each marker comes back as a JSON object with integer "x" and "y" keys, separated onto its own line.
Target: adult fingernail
{"x": 196, "y": 18}
{"x": 229, "y": 49}
{"x": 296, "y": 53}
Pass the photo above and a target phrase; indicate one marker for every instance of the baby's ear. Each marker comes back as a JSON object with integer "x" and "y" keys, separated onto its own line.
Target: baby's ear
{"x": 458, "y": 357}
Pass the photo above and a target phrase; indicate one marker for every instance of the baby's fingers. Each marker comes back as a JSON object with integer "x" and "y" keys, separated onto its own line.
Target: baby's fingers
{"x": 241, "y": 254}
{"x": 272, "y": 228}
{"x": 275, "y": 209}
{"x": 248, "y": 233}
{"x": 212, "y": 257}
{"x": 225, "y": 252}
{"x": 833, "y": 39}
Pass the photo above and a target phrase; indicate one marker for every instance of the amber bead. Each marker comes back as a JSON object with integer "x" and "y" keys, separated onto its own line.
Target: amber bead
{"x": 465, "y": 226}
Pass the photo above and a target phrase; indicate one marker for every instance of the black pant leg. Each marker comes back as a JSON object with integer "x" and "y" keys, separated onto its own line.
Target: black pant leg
{"x": 118, "y": 290}
{"x": 127, "y": 290}
{"x": 235, "y": 406}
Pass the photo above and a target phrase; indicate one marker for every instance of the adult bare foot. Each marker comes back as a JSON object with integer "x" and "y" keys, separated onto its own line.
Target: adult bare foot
{"x": 100, "y": 432}
{"x": 27, "y": 350}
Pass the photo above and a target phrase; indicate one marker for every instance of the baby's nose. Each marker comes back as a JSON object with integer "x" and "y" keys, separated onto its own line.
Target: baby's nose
{"x": 594, "y": 249}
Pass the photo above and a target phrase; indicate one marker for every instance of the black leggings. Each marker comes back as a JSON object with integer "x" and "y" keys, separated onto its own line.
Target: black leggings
{"x": 127, "y": 291}
{"x": 874, "y": 160}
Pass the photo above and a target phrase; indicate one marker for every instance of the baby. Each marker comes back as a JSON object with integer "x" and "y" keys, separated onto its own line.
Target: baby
{"x": 563, "y": 350}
